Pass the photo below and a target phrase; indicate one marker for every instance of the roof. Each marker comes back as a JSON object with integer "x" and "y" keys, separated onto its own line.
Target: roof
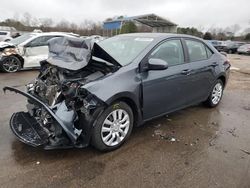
{"x": 54, "y": 33}
{"x": 157, "y": 35}
{"x": 151, "y": 20}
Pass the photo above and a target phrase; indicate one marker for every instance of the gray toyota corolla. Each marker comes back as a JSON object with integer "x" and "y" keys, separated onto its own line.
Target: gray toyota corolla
{"x": 95, "y": 94}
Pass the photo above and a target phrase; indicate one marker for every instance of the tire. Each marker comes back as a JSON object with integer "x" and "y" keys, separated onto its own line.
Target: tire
{"x": 10, "y": 64}
{"x": 216, "y": 94}
{"x": 103, "y": 133}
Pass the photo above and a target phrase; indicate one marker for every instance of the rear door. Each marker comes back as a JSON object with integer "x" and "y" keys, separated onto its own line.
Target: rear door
{"x": 202, "y": 65}
{"x": 36, "y": 51}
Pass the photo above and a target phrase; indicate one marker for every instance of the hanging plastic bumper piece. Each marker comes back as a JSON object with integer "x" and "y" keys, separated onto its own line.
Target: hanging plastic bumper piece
{"x": 28, "y": 130}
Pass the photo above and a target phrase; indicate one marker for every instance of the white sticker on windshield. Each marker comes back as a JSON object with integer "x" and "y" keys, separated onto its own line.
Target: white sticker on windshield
{"x": 144, "y": 39}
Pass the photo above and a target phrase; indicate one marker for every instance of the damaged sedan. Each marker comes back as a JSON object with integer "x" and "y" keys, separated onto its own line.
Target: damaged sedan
{"x": 96, "y": 93}
{"x": 26, "y": 51}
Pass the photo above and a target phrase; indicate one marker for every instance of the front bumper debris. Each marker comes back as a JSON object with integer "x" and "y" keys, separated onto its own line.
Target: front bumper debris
{"x": 69, "y": 130}
{"x": 28, "y": 130}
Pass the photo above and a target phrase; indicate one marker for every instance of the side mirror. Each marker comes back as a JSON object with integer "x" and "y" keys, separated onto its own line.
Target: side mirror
{"x": 157, "y": 64}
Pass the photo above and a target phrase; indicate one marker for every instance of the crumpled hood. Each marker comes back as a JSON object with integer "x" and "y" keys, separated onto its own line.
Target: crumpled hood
{"x": 4, "y": 45}
{"x": 74, "y": 53}
{"x": 98, "y": 51}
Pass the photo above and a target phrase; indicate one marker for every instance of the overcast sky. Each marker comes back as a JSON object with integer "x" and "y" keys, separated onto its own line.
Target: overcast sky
{"x": 186, "y": 13}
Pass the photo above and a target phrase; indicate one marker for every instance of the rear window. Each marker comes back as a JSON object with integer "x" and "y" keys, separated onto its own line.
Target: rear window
{"x": 197, "y": 51}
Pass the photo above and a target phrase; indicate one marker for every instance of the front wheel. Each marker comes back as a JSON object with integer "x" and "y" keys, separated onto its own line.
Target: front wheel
{"x": 113, "y": 127}
{"x": 10, "y": 64}
{"x": 216, "y": 94}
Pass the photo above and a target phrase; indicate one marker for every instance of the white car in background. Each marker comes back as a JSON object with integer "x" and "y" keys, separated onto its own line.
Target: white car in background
{"x": 5, "y": 35}
{"x": 244, "y": 49}
{"x": 26, "y": 51}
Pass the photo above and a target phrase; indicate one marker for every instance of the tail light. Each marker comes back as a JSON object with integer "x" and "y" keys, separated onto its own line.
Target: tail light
{"x": 226, "y": 62}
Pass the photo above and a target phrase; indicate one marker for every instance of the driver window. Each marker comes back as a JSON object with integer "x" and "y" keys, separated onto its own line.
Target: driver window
{"x": 170, "y": 51}
{"x": 40, "y": 41}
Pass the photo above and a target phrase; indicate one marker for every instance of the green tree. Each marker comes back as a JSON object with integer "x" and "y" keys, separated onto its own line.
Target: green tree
{"x": 247, "y": 37}
{"x": 221, "y": 36}
{"x": 129, "y": 27}
{"x": 208, "y": 36}
{"x": 189, "y": 31}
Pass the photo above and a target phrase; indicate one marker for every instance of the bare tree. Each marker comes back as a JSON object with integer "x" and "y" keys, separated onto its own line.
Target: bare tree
{"x": 46, "y": 22}
{"x": 27, "y": 19}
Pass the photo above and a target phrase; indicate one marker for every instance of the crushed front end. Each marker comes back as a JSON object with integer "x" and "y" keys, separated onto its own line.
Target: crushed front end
{"x": 60, "y": 111}
{"x": 66, "y": 123}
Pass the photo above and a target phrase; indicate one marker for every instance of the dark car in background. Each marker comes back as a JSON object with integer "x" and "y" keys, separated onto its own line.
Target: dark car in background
{"x": 219, "y": 45}
{"x": 232, "y": 46}
{"x": 128, "y": 79}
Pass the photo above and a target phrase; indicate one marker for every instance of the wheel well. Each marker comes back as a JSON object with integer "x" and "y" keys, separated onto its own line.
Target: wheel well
{"x": 223, "y": 79}
{"x": 20, "y": 59}
{"x": 132, "y": 105}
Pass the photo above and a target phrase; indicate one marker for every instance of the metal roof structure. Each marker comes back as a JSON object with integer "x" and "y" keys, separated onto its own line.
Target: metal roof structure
{"x": 150, "y": 20}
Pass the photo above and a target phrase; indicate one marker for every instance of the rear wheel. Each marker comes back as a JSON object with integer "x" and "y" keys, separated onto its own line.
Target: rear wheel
{"x": 113, "y": 127}
{"x": 215, "y": 95}
{"x": 10, "y": 64}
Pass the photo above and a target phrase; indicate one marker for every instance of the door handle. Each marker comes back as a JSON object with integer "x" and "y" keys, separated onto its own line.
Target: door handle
{"x": 214, "y": 64}
{"x": 186, "y": 72}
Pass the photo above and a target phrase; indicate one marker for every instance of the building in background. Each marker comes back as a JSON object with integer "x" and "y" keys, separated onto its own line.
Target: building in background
{"x": 144, "y": 23}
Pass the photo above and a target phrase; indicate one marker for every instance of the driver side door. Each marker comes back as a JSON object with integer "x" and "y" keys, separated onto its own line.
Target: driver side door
{"x": 163, "y": 90}
{"x": 36, "y": 51}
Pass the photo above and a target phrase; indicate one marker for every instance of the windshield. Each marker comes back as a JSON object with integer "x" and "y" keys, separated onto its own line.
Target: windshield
{"x": 125, "y": 48}
{"x": 21, "y": 39}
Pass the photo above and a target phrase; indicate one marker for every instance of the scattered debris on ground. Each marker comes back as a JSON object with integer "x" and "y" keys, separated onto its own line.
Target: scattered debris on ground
{"x": 245, "y": 151}
{"x": 157, "y": 126}
{"x": 38, "y": 162}
{"x": 215, "y": 123}
{"x": 212, "y": 140}
{"x": 232, "y": 131}
{"x": 165, "y": 136}
{"x": 246, "y": 107}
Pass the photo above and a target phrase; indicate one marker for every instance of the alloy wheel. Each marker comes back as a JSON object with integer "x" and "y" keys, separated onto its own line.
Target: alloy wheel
{"x": 217, "y": 93}
{"x": 11, "y": 65}
{"x": 115, "y": 127}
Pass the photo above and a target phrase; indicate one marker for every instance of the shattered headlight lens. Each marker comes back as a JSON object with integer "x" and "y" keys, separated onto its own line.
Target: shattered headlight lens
{"x": 9, "y": 51}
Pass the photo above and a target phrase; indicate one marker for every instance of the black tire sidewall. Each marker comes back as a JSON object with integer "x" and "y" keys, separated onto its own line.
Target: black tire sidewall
{"x": 7, "y": 58}
{"x": 96, "y": 139}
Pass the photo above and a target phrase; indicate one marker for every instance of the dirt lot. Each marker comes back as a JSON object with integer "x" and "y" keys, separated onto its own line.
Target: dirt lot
{"x": 210, "y": 147}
